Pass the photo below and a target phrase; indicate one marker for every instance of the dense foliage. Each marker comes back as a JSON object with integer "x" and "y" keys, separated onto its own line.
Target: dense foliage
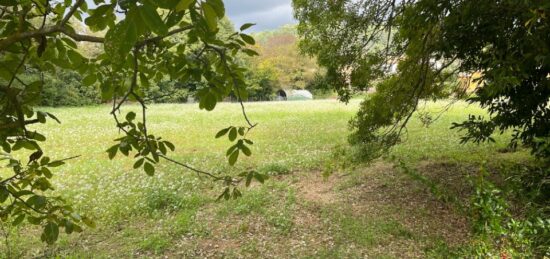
{"x": 279, "y": 66}
{"x": 413, "y": 52}
{"x": 137, "y": 43}
{"x": 431, "y": 43}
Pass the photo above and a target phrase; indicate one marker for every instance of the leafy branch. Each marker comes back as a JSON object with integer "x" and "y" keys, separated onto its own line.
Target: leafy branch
{"x": 137, "y": 49}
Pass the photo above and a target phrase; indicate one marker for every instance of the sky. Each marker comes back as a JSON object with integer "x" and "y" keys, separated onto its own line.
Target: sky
{"x": 267, "y": 14}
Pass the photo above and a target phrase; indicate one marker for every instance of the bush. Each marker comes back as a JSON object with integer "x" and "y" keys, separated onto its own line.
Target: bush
{"x": 64, "y": 88}
{"x": 498, "y": 232}
{"x": 169, "y": 92}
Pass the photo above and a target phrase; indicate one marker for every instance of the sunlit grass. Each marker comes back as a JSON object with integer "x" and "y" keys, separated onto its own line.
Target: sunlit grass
{"x": 290, "y": 137}
{"x": 297, "y": 135}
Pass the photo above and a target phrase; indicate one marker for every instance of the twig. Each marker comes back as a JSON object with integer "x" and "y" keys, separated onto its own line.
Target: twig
{"x": 5, "y": 43}
{"x": 17, "y": 124}
{"x": 217, "y": 178}
{"x": 71, "y": 12}
{"x": 25, "y": 203}
{"x": 7, "y": 180}
{"x": 223, "y": 58}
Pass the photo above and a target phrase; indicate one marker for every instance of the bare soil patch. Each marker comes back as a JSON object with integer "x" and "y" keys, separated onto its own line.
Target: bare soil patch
{"x": 379, "y": 193}
{"x": 315, "y": 188}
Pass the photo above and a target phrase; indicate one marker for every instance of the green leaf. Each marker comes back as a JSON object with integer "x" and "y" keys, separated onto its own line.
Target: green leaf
{"x": 162, "y": 148}
{"x": 233, "y": 157}
{"x": 70, "y": 42}
{"x": 222, "y": 132}
{"x": 246, "y": 150}
{"x": 250, "y": 53}
{"x": 53, "y": 117}
{"x": 89, "y": 80}
{"x": 46, "y": 172}
{"x": 233, "y": 134}
{"x": 236, "y": 193}
{"x": 6, "y": 147}
{"x": 260, "y": 177}
{"x": 119, "y": 40}
{"x": 9, "y": 2}
{"x": 218, "y": 6}
{"x": 51, "y": 232}
{"x": 77, "y": 228}
{"x": 45, "y": 160}
{"x": 89, "y": 222}
{"x": 170, "y": 145}
{"x": 38, "y": 202}
{"x": 184, "y": 5}
{"x": 210, "y": 16}
{"x": 131, "y": 116}
{"x": 37, "y": 136}
{"x": 209, "y": 101}
{"x": 23, "y": 143}
{"x": 18, "y": 220}
{"x": 248, "y": 39}
{"x": 69, "y": 227}
{"x": 166, "y": 4}
{"x": 75, "y": 57}
{"x": 246, "y": 26}
{"x": 149, "y": 169}
{"x": 41, "y": 116}
{"x": 35, "y": 220}
{"x": 249, "y": 178}
{"x": 139, "y": 163}
{"x": 231, "y": 149}
{"x": 224, "y": 194}
{"x": 56, "y": 163}
{"x": 152, "y": 19}
{"x": 3, "y": 194}
{"x": 23, "y": 193}
{"x": 112, "y": 151}
{"x": 100, "y": 17}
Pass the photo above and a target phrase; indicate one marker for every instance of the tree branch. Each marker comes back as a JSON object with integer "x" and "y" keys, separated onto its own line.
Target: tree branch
{"x": 221, "y": 53}
{"x": 217, "y": 178}
{"x": 17, "y": 37}
{"x": 80, "y": 37}
{"x": 17, "y": 124}
{"x": 158, "y": 38}
{"x": 26, "y": 204}
{"x": 71, "y": 12}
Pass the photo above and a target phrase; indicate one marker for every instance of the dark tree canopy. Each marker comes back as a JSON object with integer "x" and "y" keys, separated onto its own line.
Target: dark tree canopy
{"x": 431, "y": 42}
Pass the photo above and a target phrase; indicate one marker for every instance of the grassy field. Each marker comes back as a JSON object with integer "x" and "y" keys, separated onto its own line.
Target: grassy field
{"x": 370, "y": 210}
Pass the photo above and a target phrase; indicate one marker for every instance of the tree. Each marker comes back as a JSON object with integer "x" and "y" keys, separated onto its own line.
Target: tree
{"x": 262, "y": 83}
{"x": 279, "y": 53}
{"x": 143, "y": 41}
{"x": 431, "y": 42}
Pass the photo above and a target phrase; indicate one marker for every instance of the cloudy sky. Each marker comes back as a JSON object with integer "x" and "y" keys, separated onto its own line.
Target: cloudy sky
{"x": 267, "y": 14}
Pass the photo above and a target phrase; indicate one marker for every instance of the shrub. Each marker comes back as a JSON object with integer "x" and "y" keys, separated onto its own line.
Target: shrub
{"x": 498, "y": 232}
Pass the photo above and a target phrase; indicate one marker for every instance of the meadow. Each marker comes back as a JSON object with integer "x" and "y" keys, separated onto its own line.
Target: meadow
{"x": 360, "y": 210}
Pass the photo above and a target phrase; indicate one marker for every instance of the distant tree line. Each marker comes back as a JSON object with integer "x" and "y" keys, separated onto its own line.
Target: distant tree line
{"x": 279, "y": 66}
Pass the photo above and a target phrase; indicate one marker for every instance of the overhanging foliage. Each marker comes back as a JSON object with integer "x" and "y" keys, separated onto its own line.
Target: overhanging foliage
{"x": 139, "y": 42}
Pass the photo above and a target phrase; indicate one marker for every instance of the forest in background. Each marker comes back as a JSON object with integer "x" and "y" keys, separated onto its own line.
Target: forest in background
{"x": 280, "y": 65}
